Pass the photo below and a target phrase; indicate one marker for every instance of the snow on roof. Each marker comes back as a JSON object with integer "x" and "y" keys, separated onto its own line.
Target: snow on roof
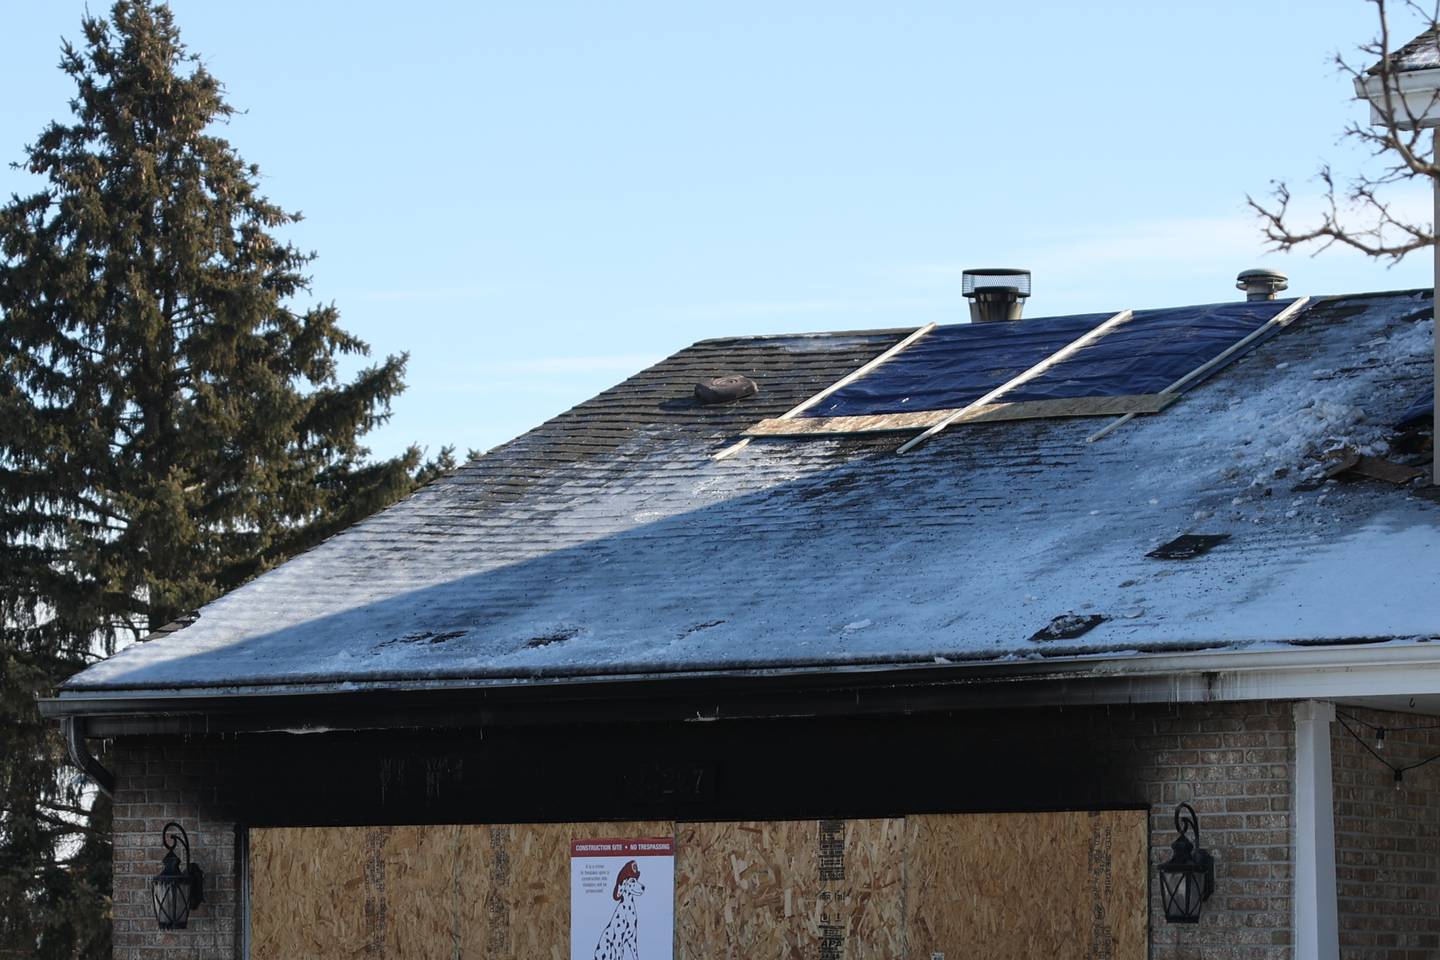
{"x": 1422, "y": 53}
{"x": 609, "y": 540}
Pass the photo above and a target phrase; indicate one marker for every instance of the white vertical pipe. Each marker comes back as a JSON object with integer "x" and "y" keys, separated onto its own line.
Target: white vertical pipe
{"x": 1317, "y": 929}
{"x": 1435, "y": 370}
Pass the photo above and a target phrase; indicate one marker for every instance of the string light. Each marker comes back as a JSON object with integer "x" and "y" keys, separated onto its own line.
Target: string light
{"x": 1397, "y": 770}
{"x": 1377, "y": 727}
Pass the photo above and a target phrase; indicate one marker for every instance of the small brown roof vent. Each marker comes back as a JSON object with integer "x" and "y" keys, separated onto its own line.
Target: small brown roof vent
{"x": 726, "y": 389}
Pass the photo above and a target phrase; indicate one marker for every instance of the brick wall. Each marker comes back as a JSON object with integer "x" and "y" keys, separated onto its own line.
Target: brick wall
{"x": 1387, "y": 841}
{"x": 1232, "y": 762}
{"x": 156, "y": 783}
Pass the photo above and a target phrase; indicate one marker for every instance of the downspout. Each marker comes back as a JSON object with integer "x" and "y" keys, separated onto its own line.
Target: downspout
{"x": 73, "y": 729}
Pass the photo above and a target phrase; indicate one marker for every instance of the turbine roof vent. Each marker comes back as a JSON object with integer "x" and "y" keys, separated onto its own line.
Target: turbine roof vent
{"x": 996, "y": 293}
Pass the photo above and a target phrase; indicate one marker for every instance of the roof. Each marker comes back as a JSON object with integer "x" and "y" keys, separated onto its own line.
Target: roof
{"x": 1422, "y": 53}
{"x": 610, "y": 541}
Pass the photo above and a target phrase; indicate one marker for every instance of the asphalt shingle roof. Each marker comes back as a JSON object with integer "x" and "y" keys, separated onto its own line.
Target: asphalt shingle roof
{"x": 609, "y": 540}
{"x": 1422, "y": 53}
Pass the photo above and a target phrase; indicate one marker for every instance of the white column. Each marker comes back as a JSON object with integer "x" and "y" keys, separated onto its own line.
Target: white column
{"x": 1317, "y": 932}
{"x": 1435, "y": 370}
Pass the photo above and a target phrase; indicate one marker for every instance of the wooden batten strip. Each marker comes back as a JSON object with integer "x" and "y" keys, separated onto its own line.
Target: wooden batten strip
{"x": 1282, "y": 319}
{"x": 844, "y": 381}
{"x": 1064, "y": 353}
{"x": 991, "y": 413}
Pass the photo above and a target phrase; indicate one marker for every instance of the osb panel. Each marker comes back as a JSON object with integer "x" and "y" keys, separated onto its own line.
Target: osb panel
{"x": 990, "y": 413}
{"x": 308, "y": 892}
{"x": 790, "y": 889}
{"x": 1017, "y": 886}
{"x": 421, "y": 893}
{"x": 996, "y": 885}
{"x": 514, "y": 884}
{"x": 418, "y": 893}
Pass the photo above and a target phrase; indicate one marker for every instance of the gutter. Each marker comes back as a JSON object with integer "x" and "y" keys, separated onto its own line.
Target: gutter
{"x": 1357, "y": 669}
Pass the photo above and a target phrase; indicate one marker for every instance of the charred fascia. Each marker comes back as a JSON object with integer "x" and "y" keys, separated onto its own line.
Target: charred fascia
{"x": 1221, "y": 673}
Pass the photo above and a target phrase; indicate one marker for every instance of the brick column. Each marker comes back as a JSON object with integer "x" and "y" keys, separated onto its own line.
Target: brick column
{"x": 156, "y": 783}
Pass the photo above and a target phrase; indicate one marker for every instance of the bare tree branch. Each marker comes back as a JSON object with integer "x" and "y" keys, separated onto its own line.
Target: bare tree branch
{"x": 1358, "y": 215}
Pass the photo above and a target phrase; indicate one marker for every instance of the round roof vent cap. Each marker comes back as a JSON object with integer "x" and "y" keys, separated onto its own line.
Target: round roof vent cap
{"x": 990, "y": 279}
{"x": 1261, "y": 284}
{"x": 726, "y": 389}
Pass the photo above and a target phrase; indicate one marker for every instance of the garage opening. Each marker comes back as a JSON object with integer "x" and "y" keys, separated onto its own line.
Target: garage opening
{"x": 1011, "y": 885}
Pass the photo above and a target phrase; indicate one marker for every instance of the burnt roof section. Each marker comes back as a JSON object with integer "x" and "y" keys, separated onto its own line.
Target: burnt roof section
{"x": 609, "y": 541}
{"x": 659, "y": 404}
{"x": 1422, "y": 53}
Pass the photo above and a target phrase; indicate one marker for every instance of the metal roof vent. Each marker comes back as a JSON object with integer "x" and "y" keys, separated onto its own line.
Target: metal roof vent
{"x": 1261, "y": 284}
{"x": 995, "y": 294}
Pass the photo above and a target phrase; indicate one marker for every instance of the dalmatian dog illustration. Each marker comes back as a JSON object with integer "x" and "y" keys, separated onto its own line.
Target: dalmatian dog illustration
{"x": 621, "y": 939}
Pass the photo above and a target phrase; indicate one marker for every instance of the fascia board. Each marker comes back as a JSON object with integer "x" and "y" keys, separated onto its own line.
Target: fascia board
{"x": 1413, "y": 93}
{"x": 1383, "y": 669}
{"x": 1404, "y": 669}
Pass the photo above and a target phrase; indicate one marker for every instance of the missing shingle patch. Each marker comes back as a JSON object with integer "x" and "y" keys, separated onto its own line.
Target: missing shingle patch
{"x": 179, "y": 623}
{"x": 1068, "y": 626}
{"x": 698, "y": 627}
{"x": 425, "y": 636}
{"x": 1188, "y": 546}
{"x": 546, "y": 639}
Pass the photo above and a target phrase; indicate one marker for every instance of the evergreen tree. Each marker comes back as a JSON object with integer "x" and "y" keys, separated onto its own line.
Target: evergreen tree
{"x": 170, "y": 424}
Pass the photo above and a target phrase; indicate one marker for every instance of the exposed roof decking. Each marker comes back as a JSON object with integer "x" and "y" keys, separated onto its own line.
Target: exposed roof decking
{"x": 1421, "y": 53}
{"x": 608, "y": 540}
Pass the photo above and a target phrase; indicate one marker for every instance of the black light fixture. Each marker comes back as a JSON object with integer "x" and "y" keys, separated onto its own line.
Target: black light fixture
{"x": 1188, "y": 879}
{"x": 176, "y": 891}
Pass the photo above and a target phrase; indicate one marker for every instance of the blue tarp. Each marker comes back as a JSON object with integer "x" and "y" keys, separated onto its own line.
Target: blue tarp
{"x": 1420, "y": 413}
{"x": 955, "y": 365}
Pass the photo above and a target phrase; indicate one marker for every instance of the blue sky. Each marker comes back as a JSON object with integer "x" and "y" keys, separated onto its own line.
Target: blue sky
{"x": 537, "y": 199}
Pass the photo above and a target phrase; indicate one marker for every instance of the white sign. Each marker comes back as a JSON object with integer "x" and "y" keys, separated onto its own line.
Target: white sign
{"x": 622, "y": 899}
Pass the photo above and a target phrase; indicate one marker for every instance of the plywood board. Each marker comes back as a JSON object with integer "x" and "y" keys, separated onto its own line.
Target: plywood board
{"x": 515, "y": 886}
{"x": 989, "y": 413}
{"x": 484, "y": 864}
{"x": 420, "y": 892}
{"x": 1017, "y": 886}
{"x": 790, "y": 889}
{"x": 308, "y": 892}
{"x": 994, "y": 885}
{"x": 417, "y": 893}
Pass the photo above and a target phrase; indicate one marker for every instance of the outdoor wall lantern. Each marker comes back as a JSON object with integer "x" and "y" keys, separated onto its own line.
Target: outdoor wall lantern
{"x": 1188, "y": 879}
{"x": 176, "y": 891}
